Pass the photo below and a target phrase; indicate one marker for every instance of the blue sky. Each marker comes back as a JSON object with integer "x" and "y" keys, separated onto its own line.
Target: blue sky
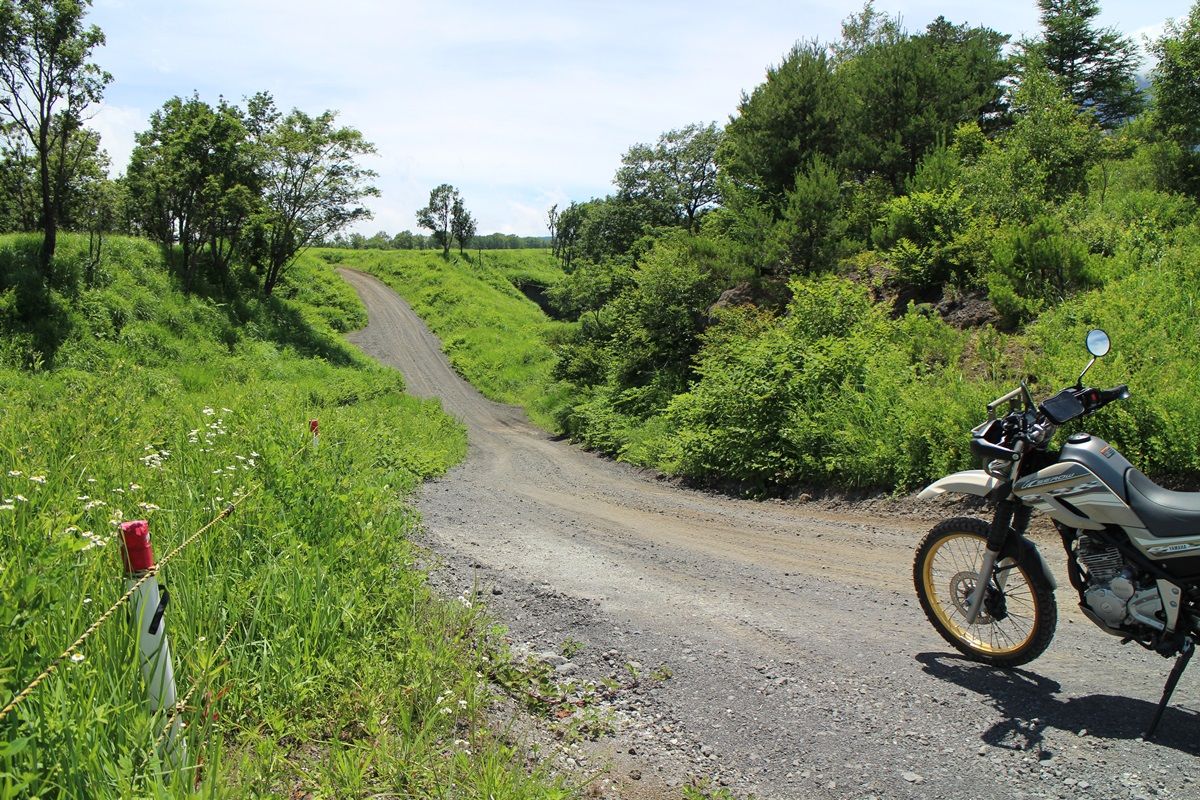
{"x": 518, "y": 104}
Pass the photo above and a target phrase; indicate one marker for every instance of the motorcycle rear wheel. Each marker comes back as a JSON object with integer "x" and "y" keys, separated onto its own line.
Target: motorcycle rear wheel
{"x": 1019, "y": 615}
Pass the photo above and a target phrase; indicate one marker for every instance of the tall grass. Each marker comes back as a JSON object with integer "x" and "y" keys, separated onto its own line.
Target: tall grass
{"x": 492, "y": 333}
{"x": 344, "y": 674}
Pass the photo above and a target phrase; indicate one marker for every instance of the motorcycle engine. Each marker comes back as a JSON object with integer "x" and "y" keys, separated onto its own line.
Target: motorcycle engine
{"x": 1114, "y": 592}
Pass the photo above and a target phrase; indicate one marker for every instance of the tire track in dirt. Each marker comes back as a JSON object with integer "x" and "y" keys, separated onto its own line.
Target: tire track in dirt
{"x": 800, "y": 663}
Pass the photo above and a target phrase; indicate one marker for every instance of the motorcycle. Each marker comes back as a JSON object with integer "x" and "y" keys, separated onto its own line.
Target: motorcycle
{"x": 1133, "y": 547}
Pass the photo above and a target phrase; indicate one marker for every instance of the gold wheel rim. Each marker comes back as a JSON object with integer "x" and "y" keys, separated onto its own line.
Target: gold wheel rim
{"x": 942, "y": 575}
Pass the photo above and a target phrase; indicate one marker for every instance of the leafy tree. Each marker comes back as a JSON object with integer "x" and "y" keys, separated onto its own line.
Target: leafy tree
{"x": 1176, "y": 79}
{"x": 462, "y": 224}
{"x": 675, "y": 180}
{"x": 313, "y": 184}
{"x": 1095, "y": 67}
{"x": 193, "y": 182}
{"x": 1043, "y": 159}
{"x": 902, "y": 94}
{"x": 782, "y": 124}
{"x": 48, "y": 83}
{"x": 565, "y": 233}
{"x": 438, "y": 214}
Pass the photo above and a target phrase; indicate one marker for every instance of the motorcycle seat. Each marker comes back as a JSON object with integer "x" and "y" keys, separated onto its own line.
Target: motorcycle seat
{"x": 1164, "y": 512}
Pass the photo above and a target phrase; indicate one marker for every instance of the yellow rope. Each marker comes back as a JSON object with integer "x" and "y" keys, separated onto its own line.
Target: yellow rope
{"x": 179, "y": 707}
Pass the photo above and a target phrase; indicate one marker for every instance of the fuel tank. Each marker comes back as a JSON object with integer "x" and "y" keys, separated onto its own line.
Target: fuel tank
{"x": 1085, "y": 489}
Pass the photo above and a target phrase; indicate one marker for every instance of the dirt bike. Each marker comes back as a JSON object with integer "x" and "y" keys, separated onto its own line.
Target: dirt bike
{"x": 1133, "y": 547}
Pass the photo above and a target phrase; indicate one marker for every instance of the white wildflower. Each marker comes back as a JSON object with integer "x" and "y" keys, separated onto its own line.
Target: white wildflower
{"x": 133, "y": 487}
{"x": 91, "y": 480}
{"x": 7, "y": 507}
{"x": 208, "y": 412}
{"x": 227, "y": 410}
{"x": 22, "y": 498}
{"x": 148, "y": 507}
{"x": 119, "y": 490}
{"x": 40, "y": 479}
{"x": 87, "y": 600}
{"x": 82, "y": 498}
{"x": 462, "y": 704}
{"x": 94, "y": 504}
{"x": 253, "y": 454}
{"x": 14, "y": 473}
{"x": 77, "y": 657}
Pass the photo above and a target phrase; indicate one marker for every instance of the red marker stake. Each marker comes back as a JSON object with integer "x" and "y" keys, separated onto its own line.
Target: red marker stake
{"x": 153, "y": 649}
{"x": 312, "y": 426}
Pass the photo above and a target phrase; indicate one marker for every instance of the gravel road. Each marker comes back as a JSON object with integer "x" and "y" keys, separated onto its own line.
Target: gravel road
{"x": 800, "y": 665}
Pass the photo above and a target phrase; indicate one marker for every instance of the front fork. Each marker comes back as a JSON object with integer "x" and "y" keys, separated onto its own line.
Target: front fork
{"x": 1012, "y": 518}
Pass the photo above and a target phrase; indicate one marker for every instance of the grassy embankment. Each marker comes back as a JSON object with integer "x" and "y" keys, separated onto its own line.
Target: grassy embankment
{"x": 867, "y": 402}
{"x": 493, "y": 334}
{"x": 344, "y": 675}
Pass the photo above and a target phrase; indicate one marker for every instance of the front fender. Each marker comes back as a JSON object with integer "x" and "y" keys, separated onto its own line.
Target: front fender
{"x": 973, "y": 481}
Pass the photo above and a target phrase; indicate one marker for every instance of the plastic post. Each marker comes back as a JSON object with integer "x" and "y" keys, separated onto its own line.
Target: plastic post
{"x": 154, "y": 651}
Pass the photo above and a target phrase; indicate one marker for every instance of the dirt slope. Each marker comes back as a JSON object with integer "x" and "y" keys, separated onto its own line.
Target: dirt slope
{"x": 800, "y": 664}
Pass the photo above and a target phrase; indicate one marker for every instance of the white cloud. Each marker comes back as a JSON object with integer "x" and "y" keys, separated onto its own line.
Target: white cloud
{"x": 117, "y": 126}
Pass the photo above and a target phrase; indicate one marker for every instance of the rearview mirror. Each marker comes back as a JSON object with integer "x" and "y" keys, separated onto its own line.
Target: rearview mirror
{"x": 1098, "y": 343}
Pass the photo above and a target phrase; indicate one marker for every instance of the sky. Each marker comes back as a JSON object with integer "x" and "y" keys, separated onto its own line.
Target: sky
{"x": 520, "y": 105}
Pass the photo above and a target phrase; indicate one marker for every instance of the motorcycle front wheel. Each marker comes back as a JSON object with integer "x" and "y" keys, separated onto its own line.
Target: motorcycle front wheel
{"x": 1018, "y": 616}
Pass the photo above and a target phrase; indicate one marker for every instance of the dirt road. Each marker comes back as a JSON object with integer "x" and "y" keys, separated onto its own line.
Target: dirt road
{"x": 799, "y": 662}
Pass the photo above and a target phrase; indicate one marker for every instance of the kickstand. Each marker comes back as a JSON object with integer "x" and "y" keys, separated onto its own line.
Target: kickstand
{"x": 1185, "y": 655}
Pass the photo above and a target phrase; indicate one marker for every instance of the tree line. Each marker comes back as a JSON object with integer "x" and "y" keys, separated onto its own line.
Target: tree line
{"x": 216, "y": 185}
{"x": 407, "y": 240}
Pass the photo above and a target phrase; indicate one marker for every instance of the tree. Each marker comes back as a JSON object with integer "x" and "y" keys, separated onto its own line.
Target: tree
{"x": 48, "y": 84}
{"x": 436, "y": 216}
{"x": 675, "y": 180}
{"x": 1176, "y": 79}
{"x": 902, "y": 94}
{"x": 313, "y": 184}
{"x": 782, "y": 125}
{"x": 462, "y": 224}
{"x": 194, "y": 182}
{"x": 1095, "y": 67}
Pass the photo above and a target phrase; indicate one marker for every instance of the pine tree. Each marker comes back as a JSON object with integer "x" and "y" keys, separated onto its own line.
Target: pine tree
{"x": 1094, "y": 67}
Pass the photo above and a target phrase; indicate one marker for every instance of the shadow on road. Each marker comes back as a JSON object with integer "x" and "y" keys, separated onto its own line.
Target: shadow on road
{"x": 1030, "y": 705}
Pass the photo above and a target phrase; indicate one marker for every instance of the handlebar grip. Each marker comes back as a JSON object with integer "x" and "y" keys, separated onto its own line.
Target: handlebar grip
{"x": 1116, "y": 393}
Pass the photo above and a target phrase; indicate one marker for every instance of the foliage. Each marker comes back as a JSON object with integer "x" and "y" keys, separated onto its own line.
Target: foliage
{"x": 437, "y": 216}
{"x": 674, "y": 180}
{"x": 782, "y": 124}
{"x": 462, "y": 224}
{"x": 194, "y": 183}
{"x": 312, "y": 183}
{"x": 1176, "y": 82}
{"x": 1096, "y": 68}
{"x": 807, "y": 236}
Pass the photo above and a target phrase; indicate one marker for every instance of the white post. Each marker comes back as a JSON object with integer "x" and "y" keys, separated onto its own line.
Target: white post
{"x": 154, "y": 651}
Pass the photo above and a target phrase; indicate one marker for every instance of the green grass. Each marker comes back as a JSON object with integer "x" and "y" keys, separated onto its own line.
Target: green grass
{"x": 493, "y": 335}
{"x": 345, "y": 675}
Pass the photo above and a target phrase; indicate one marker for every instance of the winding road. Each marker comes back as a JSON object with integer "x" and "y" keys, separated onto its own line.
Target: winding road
{"x": 800, "y": 663}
